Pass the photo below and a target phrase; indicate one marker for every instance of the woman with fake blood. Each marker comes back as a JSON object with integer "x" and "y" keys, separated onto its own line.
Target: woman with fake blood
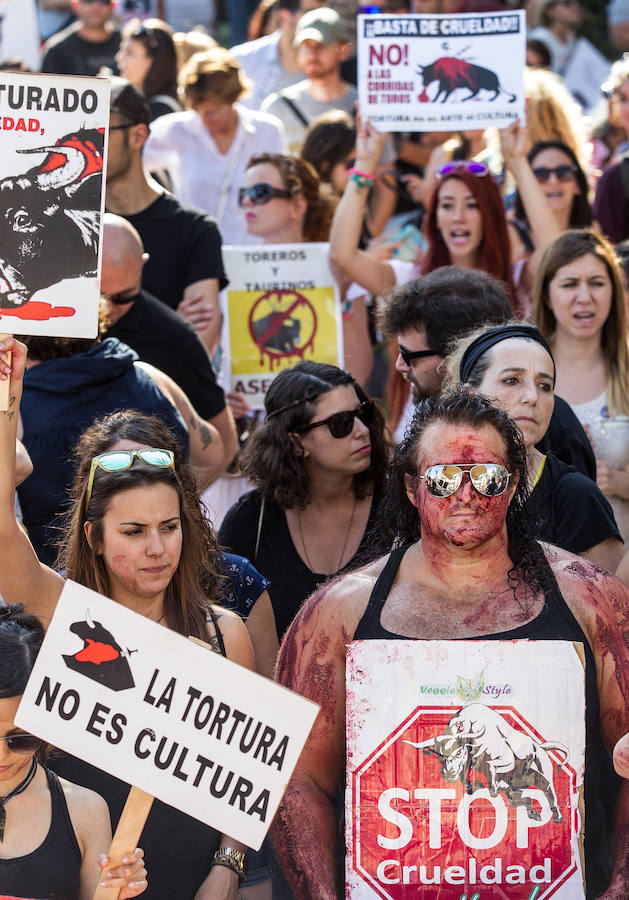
{"x": 514, "y": 367}
{"x": 53, "y": 834}
{"x": 578, "y": 303}
{"x": 137, "y": 534}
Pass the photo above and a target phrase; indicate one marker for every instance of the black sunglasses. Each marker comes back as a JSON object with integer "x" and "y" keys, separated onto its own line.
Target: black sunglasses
{"x": 409, "y": 355}
{"x": 121, "y": 299}
{"x": 341, "y": 424}
{"x": 561, "y": 173}
{"x": 259, "y": 194}
{"x": 22, "y": 743}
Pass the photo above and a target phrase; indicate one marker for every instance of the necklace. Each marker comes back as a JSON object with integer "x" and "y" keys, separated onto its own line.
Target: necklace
{"x": 18, "y": 790}
{"x": 303, "y": 543}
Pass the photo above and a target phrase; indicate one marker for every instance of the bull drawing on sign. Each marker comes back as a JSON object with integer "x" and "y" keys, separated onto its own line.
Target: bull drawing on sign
{"x": 451, "y": 73}
{"x": 479, "y": 741}
{"x": 50, "y": 217}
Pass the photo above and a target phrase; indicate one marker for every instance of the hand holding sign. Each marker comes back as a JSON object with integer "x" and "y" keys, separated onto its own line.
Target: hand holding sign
{"x": 369, "y": 145}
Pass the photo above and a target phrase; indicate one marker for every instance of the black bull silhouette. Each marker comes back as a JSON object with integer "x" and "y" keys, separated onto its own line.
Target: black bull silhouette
{"x": 50, "y": 217}
{"x": 452, "y": 73}
{"x": 479, "y": 740}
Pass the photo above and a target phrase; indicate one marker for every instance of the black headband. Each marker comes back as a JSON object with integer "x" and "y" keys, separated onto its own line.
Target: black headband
{"x": 485, "y": 341}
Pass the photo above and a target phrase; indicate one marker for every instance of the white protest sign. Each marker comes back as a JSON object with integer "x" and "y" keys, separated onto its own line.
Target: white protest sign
{"x": 154, "y": 709}
{"x": 53, "y": 138}
{"x": 585, "y": 72}
{"x": 441, "y": 73}
{"x": 465, "y": 767}
{"x": 282, "y": 305}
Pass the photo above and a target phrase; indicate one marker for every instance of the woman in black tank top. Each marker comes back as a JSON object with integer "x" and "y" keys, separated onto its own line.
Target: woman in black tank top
{"x": 52, "y": 834}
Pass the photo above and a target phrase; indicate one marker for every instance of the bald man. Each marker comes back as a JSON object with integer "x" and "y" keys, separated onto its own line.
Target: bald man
{"x": 159, "y": 335}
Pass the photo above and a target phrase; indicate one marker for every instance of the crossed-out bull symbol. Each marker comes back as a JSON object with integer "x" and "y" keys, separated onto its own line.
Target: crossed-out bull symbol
{"x": 479, "y": 740}
{"x": 451, "y": 73}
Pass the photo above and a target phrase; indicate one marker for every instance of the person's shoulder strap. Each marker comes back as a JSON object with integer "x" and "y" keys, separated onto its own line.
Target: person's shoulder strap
{"x": 295, "y": 109}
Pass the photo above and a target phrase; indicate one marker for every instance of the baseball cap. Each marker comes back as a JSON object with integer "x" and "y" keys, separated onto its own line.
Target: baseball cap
{"x": 323, "y": 25}
{"x": 129, "y": 102}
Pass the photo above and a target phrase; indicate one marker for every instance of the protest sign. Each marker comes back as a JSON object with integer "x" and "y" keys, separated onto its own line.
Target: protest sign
{"x": 176, "y": 720}
{"x": 465, "y": 766}
{"x": 19, "y": 32}
{"x": 441, "y": 73}
{"x": 282, "y": 305}
{"x": 52, "y": 152}
{"x": 585, "y": 72}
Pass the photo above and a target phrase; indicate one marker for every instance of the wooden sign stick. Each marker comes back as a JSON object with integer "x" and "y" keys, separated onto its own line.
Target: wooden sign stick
{"x": 127, "y": 835}
{"x": 4, "y": 385}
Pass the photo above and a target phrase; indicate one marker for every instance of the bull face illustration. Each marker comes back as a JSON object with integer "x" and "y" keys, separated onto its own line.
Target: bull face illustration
{"x": 479, "y": 742}
{"x": 50, "y": 218}
{"x": 102, "y": 659}
{"x": 451, "y": 73}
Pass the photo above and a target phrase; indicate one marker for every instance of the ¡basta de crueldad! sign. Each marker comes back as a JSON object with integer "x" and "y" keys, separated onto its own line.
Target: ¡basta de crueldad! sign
{"x": 464, "y": 770}
{"x": 441, "y": 73}
{"x": 188, "y": 726}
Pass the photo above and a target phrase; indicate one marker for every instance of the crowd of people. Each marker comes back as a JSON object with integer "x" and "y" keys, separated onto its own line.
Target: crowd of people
{"x": 462, "y": 473}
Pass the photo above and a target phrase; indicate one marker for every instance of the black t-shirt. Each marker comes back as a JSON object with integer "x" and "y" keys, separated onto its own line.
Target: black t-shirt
{"x": 277, "y": 558}
{"x": 69, "y": 54}
{"x": 567, "y": 440}
{"x": 161, "y": 337}
{"x": 184, "y": 246}
{"x": 575, "y": 514}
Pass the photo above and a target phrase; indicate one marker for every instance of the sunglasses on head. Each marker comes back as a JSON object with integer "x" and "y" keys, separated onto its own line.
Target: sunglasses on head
{"x": 489, "y": 479}
{"x": 22, "y": 743}
{"x": 102, "y": 2}
{"x": 341, "y": 424}
{"x": 409, "y": 355}
{"x": 121, "y": 460}
{"x": 472, "y": 168}
{"x": 561, "y": 173}
{"x": 262, "y": 193}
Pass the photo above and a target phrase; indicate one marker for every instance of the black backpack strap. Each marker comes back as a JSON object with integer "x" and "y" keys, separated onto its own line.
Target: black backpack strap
{"x": 295, "y": 109}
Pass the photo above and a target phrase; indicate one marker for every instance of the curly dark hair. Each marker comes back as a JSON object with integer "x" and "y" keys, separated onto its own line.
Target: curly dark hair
{"x": 301, "y": 180}
{"x": 581, "y": 212}
{"x": 196, "y": 582}
{"x": 270, "y": 458}
{"x": 397, "y": 522}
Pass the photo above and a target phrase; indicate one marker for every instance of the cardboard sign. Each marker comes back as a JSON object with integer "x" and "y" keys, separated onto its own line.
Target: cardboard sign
{"x": 281, "y": 306}
{"x": 441, "y": 73}
{"x": 53, "y": 139}
{"x": 182, "y": 723}
{"x": 465, "y": 768}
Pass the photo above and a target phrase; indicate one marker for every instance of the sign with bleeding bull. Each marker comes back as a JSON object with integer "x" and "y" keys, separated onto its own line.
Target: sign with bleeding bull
{"x": 281, "y": 306}
{"x": 52, "y": 153}
{"x": 173, "y": 718}
{"x": 441, "y": 73}
{"x": 465, "y": 767}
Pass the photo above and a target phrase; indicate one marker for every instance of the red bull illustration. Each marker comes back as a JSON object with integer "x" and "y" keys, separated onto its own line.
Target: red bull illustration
{"x": 101, "y": 658}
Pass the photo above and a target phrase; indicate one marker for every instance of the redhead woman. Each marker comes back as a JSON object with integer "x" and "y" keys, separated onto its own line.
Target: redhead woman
{"x": 579, "y": 307}
{"x": 136, "y": 534}
{"x": 52, "y": 832}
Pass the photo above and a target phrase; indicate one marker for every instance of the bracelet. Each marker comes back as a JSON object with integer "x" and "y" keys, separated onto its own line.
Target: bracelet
{"x": 231, "y": 859}
{"x": 360, "y": 180}
{"x": 355, "y": 171}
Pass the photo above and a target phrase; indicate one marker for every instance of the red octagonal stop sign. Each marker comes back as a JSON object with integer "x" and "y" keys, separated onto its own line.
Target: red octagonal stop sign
{"x": 465, "y": 802}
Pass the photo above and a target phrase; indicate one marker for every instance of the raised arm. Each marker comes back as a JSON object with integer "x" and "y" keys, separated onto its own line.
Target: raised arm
{"x": 539, "y": 213}
{"x": 23, "y": 579}
{"x": 374, "y": 275}
{"x": 312, "y": 662}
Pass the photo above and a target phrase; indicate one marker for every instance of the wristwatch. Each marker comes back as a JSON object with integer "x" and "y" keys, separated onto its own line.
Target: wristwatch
{"x": 233, "y": 859}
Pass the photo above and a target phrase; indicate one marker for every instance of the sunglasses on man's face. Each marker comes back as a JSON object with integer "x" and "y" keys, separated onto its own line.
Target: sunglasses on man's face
{"x": 341, "y": 424}
{"x": 489, "y": 479}
{"x": 409, "y": 355}
{"x": 262, "y": 193}
{"x": 22, "y": 743}
{"x": 561, "y": 173}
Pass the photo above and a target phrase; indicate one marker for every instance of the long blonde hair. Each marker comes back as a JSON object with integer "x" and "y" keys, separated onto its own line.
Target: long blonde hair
{"x": 565, "y": 249}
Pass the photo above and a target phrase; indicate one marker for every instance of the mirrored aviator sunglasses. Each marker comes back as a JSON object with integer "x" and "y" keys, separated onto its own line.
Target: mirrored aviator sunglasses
{"x": 121, "y": 460}
{"x": 262, "y": 193}
{"x": 489, "y": 479}
{"x": 341, "y": 424}
{"x": 24, "y": 744}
